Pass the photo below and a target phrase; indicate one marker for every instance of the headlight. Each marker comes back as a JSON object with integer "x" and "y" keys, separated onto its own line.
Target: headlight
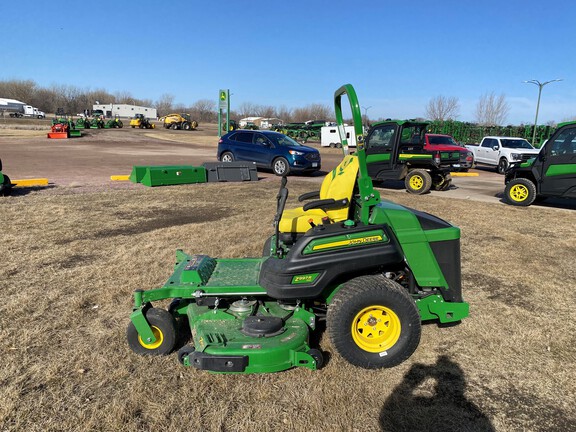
{"x": 295, "y": 153}
{"x": 515, "y": 156}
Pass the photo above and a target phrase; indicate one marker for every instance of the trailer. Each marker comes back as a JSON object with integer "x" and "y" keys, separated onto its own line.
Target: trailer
{"x": 15, "y": 108}
{"x": 12, "y": 106}
{"x": 329, "y": 136}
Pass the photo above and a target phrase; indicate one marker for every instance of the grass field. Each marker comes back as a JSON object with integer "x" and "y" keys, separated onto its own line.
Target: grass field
{"x": 72, "y": 258}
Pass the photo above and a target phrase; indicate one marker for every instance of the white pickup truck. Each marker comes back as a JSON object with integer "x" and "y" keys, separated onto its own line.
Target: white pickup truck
{"x": 500, "y": 152}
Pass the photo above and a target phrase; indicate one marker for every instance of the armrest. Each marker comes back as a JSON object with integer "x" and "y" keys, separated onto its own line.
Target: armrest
{"x": 326, "y": 204}
{"x": 309, "y": 195}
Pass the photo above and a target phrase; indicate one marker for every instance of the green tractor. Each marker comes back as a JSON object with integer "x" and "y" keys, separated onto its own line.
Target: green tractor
{"x": 5, "y": 183}
{"x": 374, "y": 270}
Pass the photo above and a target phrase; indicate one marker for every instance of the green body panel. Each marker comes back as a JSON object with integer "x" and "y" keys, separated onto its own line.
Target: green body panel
{"x": 415, "y": 242}
{"x": 74, "y": 133}
{"x": 381, "y": 157}
{"x": 1, "y": 178}
{"x": 560, "y": 169}
{"x": 168, "y": 175}
{"x": 434, "y": 308}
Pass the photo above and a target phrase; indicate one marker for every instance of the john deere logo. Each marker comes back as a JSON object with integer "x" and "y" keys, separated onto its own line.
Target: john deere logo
{"x": 304, "y": 279}
{"x": 223, "y": 95}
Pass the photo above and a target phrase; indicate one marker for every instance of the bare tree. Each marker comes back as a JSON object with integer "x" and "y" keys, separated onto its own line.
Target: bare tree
{"x": 164, "y": 105}
{"x": 312, "y": 112}
{"x": 204, "y": 110}
{"x": 247, "y": 109}
{"x": 443, "y": 108}
{"x": 492, "y": 110}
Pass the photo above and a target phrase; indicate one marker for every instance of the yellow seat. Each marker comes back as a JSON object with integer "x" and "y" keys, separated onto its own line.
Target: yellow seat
{"x": 334, "y": 199}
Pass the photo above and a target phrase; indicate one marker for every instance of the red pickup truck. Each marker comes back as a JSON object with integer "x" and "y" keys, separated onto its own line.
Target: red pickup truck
{"x": 446, "y": 142}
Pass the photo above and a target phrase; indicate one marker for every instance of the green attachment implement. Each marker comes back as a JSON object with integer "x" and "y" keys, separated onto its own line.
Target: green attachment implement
{"x": 168, "y": 175}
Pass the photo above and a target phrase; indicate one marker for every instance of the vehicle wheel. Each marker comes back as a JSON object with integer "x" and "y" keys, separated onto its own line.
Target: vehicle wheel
{"x": 186, "y": 126}
{"x": 5, "y": 186}
{"x": 317, "y": 356}
{"x": 184, "y": 351}
{"x": 174, "y": 126}
{"x": 418, "y": 181}
{"x": 502, "y": 166}
{"x": 227, "y": 157}
{"x": 120, "y": 124}
{"x": 280, "y": 166}
{"x": 132, "y": 126}
{"x": 373, "y": 322}
{"x": 194, "y": 124}
{"x": 164, "y": 329}
{"x": 141, "y": 126}
{"x": 520, "y": 192}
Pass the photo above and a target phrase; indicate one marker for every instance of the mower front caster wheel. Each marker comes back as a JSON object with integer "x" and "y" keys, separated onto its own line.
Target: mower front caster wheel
{"x": 373, "y": 322}
{"x": 164, "y": 329}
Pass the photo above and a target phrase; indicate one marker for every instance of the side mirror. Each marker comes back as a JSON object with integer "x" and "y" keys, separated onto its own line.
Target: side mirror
{"x": 495, "y": 148}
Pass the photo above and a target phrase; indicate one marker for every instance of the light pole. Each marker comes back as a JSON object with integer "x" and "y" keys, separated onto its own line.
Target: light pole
{"x": 366, "y": 115}
{"x": 540, "y": 85}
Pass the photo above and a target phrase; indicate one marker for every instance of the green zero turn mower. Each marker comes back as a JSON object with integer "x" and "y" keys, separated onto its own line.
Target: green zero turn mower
{"x": 374, "y": 270}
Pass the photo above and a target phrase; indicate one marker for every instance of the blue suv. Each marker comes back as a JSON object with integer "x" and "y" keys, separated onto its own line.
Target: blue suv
{"x": 268, "y": 149}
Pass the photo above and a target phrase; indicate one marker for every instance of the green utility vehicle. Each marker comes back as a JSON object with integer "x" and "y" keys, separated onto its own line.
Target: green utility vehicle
{"x": 551, "y": 173}
{"x": 374, "y": 270}
{"x": 395, "y": 151}
{"x": 5, "y": 183}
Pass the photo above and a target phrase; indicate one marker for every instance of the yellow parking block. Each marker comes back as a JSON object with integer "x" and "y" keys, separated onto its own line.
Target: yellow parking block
{"x": 120, "y": 177}
{"x": 30, "y": 182}
{"x": 464, "y": 174}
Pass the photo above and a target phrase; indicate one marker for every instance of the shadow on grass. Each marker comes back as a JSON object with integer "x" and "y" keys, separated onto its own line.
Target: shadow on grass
{"x": 431, "y": 398}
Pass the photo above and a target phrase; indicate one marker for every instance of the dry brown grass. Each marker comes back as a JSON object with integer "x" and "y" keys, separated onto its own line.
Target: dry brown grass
{"x": 72, "y": 260}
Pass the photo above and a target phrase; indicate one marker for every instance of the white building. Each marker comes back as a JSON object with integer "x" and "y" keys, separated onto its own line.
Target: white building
{"x": 125, "y": 110}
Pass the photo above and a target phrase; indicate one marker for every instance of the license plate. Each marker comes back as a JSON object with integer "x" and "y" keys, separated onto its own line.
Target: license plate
{"x": 314, "y": 164}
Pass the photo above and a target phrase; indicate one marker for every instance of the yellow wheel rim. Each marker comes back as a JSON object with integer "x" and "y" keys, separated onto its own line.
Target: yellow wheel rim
{"x": 519, "y": 192}
{"x": 416, "y": 182}
{"x": 159, "y": 339}
{"x": 376, "y": 329}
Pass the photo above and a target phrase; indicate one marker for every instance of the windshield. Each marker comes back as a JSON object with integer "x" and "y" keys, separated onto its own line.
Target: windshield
{"x": 516, "y": 144}
{"x": 283, "y": 140}
{"x": 435, "y": 139}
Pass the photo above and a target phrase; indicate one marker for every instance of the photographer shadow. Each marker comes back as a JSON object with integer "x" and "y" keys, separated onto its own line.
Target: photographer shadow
{"x": 431, "y": 398}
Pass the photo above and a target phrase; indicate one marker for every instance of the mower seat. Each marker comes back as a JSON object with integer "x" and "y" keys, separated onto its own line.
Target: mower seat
{"x": 332, "y": 200}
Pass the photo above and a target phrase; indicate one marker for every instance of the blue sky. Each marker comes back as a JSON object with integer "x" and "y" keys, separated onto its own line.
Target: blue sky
{"x": 398, "y": 55}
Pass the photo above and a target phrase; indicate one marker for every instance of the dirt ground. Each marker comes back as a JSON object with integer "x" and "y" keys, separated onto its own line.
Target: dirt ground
{"x": 74, "y": 252}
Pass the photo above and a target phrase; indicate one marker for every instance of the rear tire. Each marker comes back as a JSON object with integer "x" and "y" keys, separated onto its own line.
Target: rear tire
{"x": 520, "y": 192}
{"x": 373, "y": 322}
{"x": 186, "y": 126}
{"x": 280, "y": 167}
{"x": 418, "y": 182}
{"x": 174, "y": 126}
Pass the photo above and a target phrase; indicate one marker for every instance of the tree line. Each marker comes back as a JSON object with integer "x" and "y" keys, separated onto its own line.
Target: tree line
{"x": 72, "y": 100}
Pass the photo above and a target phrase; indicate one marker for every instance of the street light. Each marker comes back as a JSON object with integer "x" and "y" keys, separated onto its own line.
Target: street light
{"x": 366, "y": 115}
{"x": 540, "y": 85}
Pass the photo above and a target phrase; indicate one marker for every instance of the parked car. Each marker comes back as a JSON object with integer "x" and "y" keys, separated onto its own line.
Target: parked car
{"x": 500, "y": 152}
{"x": 268, "y": 149}
{"x": 447, "y": 143}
